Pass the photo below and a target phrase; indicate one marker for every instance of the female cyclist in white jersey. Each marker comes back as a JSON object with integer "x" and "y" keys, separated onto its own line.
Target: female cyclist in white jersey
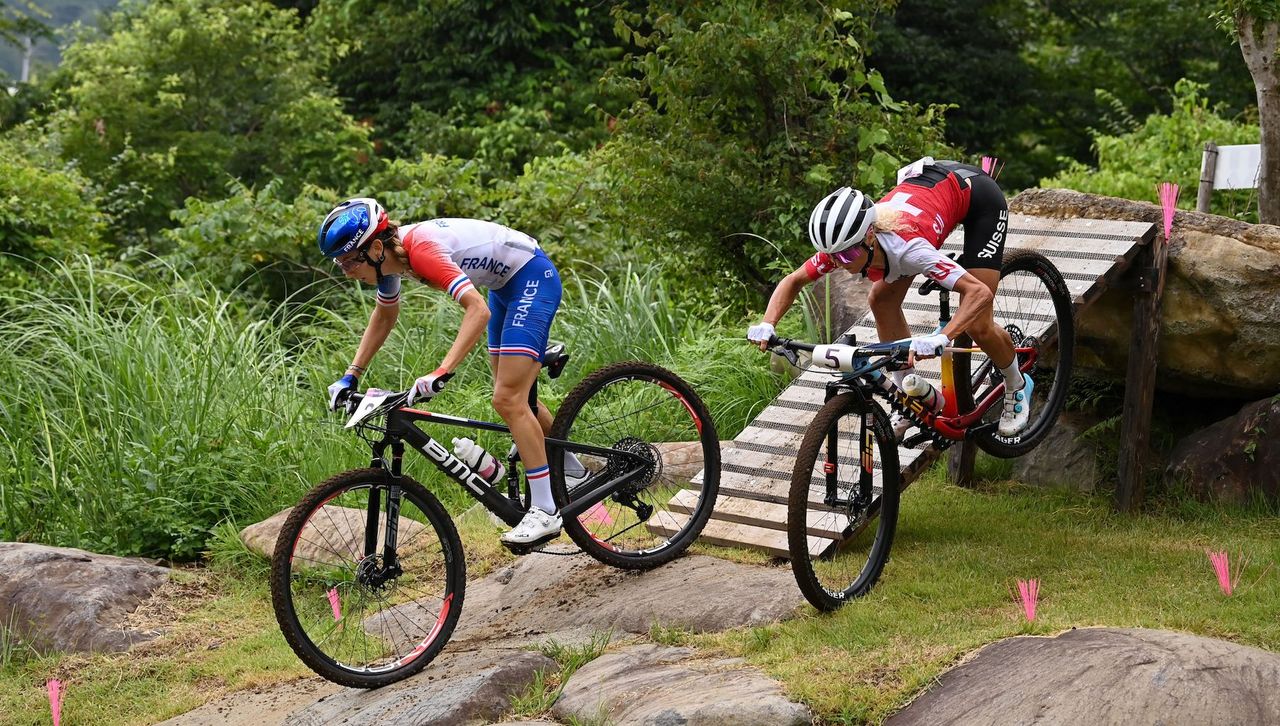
{"x": 898, "y": 238}
{"x": 456, "y": 255}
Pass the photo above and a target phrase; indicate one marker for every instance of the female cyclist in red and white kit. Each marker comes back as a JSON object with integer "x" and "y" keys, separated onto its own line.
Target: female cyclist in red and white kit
{"x": 898, "y": 238}
{"x": 454, "y": 256}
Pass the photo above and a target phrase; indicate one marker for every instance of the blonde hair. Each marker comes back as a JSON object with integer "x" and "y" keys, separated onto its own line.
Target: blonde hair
{"x": 888, "y": 219}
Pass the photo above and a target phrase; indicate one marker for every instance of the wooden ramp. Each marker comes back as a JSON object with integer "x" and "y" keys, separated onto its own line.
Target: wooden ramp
{"x": 751, "y": 511}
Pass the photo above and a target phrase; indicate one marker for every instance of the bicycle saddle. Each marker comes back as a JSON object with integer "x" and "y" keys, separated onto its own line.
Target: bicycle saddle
{"x": 554, "y": 360}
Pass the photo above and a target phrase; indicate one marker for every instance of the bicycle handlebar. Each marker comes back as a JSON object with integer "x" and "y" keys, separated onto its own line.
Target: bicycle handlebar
{"x": 898, "y": 352}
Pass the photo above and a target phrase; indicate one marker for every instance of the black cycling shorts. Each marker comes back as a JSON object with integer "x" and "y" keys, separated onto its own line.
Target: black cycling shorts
{"x": 987, "y": 222}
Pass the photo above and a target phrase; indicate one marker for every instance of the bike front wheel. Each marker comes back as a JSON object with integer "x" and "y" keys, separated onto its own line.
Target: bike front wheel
{"x": 654, "y": 421}
{"x": 1033, "y": 304}
{"x": 359, "y": 607}
{"x": 831, "y": 496}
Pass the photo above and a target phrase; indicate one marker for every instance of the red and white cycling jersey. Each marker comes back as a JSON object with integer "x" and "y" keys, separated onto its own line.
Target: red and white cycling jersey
{"x": 454, "y": 255}
{"x": 929, "y": 214}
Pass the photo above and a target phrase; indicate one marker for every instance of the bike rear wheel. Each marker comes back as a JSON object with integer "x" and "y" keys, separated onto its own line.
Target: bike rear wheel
{"x": 646, "y": 411}
{"x": 1033, "y": 304}
{"x": 847, "y": 434}
{"x": 353, "y": 612}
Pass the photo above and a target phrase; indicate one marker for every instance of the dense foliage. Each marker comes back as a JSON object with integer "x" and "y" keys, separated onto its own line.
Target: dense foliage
{"x": 166, "y": 323}
{"x": 183, "y": 96}
{"x": 1128, "y": 163}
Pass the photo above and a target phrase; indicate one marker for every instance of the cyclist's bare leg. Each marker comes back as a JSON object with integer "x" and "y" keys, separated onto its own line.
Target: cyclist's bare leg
{"x": 513, "y": 377}
{"x": 544, "y": 414}
{"x": 991, "y": 338}
{"x": 886, "y": 305}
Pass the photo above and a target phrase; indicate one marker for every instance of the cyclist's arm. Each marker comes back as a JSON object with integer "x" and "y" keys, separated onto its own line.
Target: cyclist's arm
{"x": 381, "y": 322}
{"x": 784, "y": 295}
{"x": 475, "y": 318}
{"x": 975, "y": 304}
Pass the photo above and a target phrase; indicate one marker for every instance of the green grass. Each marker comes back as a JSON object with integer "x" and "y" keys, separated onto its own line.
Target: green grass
{"x": 141, "y": 415}
{"x": 947, "y": 590}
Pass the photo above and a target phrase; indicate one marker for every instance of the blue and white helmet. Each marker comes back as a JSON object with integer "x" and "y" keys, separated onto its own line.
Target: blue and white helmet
{"x": 841, "y": 220}
{"x": 351, "y": 225}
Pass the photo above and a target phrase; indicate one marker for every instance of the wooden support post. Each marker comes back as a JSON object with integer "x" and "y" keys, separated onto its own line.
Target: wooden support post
{"x": 964, "y": 454}
{"x": 960, "y": 463}
{"x": 1208, "y": 167}
{"x": 1140, "y": 379}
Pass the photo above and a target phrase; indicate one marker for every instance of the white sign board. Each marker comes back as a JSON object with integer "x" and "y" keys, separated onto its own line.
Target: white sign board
{"x": 1238, "y": 167}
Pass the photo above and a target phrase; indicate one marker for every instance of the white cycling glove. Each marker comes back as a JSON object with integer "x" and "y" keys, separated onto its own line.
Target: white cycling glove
{"x": 760, "y": 332}
{"x": 928, "y": 346}
{"x": 426, "y": 387}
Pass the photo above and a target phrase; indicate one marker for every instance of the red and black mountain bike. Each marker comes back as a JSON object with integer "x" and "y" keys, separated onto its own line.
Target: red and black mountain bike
{"x": 850, "y": 439}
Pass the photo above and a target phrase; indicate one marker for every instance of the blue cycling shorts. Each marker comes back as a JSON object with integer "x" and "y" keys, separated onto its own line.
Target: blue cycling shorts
{"x": 521, "y": 311}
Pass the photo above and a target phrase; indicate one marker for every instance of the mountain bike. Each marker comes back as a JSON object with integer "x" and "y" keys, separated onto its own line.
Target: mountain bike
{"x": 368, "y": 573}
{"x": 850, "y": 437}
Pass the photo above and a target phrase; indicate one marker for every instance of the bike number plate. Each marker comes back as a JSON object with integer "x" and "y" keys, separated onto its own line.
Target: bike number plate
{"x": 373, "y": 399}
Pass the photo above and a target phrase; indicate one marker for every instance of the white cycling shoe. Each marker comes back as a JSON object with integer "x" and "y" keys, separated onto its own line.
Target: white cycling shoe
{"x": 536, "y": 527}
{"x": 570, "y": 483}
{"x": 1017, "y": 409}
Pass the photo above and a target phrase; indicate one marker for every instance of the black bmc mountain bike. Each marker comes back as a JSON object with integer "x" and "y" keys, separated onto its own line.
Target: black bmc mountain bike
{"x": 850, "y": 437}
{"x": 368, "y": 574}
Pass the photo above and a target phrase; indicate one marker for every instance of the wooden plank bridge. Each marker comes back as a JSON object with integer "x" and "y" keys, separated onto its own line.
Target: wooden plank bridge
{"x": 1092, "y": 255}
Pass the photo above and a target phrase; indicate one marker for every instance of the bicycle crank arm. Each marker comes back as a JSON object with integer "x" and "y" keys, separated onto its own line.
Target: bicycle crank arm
{"x": 981, "y": 429}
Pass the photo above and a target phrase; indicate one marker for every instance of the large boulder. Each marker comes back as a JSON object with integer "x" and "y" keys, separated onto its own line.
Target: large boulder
{"x": 1105, "y": 676}
{"x": 334, "y": 536}
{"x": 61, "y": 599}
{"x": 1220, "y": 315}
{"x": 1235, "y": 459}
{"x": 1065, "y": 457}
{"x": 653, "y": 685}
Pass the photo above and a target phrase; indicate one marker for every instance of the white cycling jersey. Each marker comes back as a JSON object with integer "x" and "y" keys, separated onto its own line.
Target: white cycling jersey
{"x": 453, "y": 253}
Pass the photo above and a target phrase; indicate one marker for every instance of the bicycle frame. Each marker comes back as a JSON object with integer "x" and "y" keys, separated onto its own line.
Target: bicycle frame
{"x": 401, "y": 428}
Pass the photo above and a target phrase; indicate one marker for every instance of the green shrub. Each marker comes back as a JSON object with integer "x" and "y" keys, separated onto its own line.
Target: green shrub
{"x": 748, "y": 113}
{"x": 181, "y": 96}
{"x": 1163, "y": 148}
{"x": 47, "y": 212}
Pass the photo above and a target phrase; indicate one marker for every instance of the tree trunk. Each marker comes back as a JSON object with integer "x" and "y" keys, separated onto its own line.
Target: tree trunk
{"x": 1258, "y": 44}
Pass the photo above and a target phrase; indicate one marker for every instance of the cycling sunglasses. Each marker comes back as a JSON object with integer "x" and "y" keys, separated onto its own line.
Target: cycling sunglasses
{"x": 851, "y": 255}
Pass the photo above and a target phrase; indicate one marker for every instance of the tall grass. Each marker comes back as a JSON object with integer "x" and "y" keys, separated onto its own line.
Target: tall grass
{"x": 139, "y": 416}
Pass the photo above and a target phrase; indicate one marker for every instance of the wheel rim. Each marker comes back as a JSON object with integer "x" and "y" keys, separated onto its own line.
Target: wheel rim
{"x": 648, "y": 421}
{"x": 364, "y": 615}
{"x": 850, "y": 570}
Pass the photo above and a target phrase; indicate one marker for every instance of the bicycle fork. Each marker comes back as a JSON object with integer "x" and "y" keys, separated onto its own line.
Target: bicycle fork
{"x": 866, "y": 468}
{"x": 368, "y": 570}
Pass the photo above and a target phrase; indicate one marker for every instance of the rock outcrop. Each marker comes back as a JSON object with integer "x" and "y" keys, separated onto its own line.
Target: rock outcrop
{"x": 654, "y": 684}
{"x": 1105, "y": 676}
{"x": 62, "y": 599}
{"x": 1235, "y": 459}
{"x": 1220, "y": 316}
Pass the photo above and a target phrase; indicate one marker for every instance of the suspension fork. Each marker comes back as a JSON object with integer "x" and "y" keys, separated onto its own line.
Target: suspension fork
{"x": 392, "y": 506}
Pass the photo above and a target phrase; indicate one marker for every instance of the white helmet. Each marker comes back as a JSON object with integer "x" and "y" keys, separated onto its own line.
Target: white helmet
{"x": 841, "y": 220}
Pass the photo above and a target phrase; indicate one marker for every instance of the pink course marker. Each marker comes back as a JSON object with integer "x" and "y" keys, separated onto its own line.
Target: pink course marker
{"x": 1027, "y": 596}
{"x": 1222, "y": 568}
{"x": 1168, "y": 194}
{"x": 992, "y": 166}
{"x": 597, "y": 513}
{"x": 333, "y": 603}
{"x": 55, "y": 700}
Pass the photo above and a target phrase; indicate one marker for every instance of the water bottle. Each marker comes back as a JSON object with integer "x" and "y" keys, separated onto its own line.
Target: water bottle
{"x": 480, "y": 461}
{"x": 917, "y": 387}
